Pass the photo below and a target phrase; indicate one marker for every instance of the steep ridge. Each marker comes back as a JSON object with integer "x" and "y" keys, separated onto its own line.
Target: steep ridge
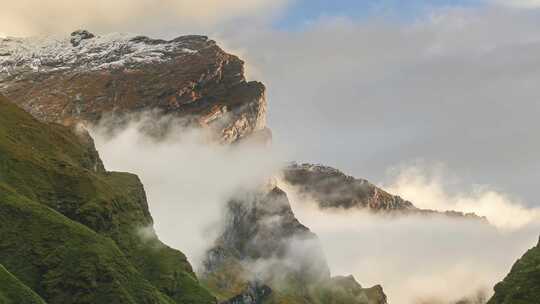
{"x": 72, "y": 233}
{"x": 522, "y": 284}
{"x": 86, "y": 78}
{"x": 330, "y": 188}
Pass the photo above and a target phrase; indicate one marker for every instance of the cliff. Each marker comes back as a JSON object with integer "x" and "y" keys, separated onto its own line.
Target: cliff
{"x": 85, "y": 77}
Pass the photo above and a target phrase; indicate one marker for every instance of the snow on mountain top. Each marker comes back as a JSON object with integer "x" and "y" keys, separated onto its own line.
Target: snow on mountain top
{"x": 83, "y": 50}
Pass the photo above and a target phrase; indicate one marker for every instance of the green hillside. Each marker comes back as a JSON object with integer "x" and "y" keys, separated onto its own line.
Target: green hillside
{"x": 522, "y": 284}
{"x": 13, "y": 291}
{"x": 71, "y": 231}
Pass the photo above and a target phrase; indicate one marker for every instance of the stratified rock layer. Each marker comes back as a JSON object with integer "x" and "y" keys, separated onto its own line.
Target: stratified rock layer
{"x": 85, "y": 77}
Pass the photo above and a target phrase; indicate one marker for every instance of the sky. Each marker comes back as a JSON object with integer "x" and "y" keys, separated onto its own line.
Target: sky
{"x": 303, "y": 12}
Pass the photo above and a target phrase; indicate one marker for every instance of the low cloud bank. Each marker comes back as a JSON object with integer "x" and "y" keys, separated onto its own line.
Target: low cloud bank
{"x": 188, "y": 179}
{"x": 426, "y": 189}
{"x": 420, "y": 259}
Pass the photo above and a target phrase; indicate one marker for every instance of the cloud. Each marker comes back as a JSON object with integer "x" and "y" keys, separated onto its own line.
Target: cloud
{"x": 426, "y": 188}
{"x": 188, "y": 179}
{"x": 519, "y": 3}
{"x": 457, "y": 86}
{"x": 31, "y": 17}
{"x": 417, "y": 259}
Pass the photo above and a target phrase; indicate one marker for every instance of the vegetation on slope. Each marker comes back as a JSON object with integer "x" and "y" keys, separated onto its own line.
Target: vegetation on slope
{"x": 522, "y": 285}
{"x": 13, "y": 291}
{"x": 75, "y": 233}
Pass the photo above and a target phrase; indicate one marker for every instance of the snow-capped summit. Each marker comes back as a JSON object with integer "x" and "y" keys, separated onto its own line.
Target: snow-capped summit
{"x": 84, "y": 50}
{"x": 84, "y": 76}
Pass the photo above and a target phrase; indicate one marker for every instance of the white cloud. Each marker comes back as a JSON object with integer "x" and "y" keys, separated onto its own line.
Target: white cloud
{"x": 31, "y": 17}
{"x": 417, "y": 259}
{"x": 188, "y": 179}
{"x": 427, "y": 189}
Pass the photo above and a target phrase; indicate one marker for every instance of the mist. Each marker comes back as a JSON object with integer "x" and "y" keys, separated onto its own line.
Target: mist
{"x": 188, "y": 178}
{"x": 426, "y": 187}
{"x": 417, "y": 258}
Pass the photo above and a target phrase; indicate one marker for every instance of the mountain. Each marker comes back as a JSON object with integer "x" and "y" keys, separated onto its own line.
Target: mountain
{"x": 264, "y": 253}
{"x": 85, "y": 77}
{"x": 522, "y": 284}
{"x": 330, "y": 188}
{"x": 74, "y": 233}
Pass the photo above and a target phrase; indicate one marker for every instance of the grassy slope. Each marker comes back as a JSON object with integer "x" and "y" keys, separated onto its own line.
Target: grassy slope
{"x": 50, "y": 165}
{"x": 522, "y": 285}
{"x": 13, "y": 291}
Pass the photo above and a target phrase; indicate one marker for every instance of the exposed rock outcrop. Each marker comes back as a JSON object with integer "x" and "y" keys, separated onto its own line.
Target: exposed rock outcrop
{"x": 263, "y": 243}
{"x": 85, "y": 77}
{"x": 331, "y": 188}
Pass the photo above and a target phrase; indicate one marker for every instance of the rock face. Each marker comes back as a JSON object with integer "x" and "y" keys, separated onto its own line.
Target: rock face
{"x": 522, "y": 284}
{"x": 331, "y": 188}
{"x": 85, "y": 77}
{"x": 74, "y": 234}
{"x": 264, "y": 251}
{"x": 263, "y": 244}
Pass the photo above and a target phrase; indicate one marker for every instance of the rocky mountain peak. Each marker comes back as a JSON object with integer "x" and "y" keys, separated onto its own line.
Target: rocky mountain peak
{"x": 84, "y": 77}
{"x": 331, "y": 188}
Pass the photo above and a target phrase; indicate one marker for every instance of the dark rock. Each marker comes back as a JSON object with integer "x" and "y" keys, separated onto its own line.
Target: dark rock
{"x": 80, "y": 35}
{"x": 331, "y": 189}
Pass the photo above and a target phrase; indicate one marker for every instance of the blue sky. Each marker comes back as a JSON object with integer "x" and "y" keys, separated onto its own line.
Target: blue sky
{"x": 303, "y": 12}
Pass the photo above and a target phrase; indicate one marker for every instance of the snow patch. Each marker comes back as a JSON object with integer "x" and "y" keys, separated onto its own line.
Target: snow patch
{"x": 47, "y": 54}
